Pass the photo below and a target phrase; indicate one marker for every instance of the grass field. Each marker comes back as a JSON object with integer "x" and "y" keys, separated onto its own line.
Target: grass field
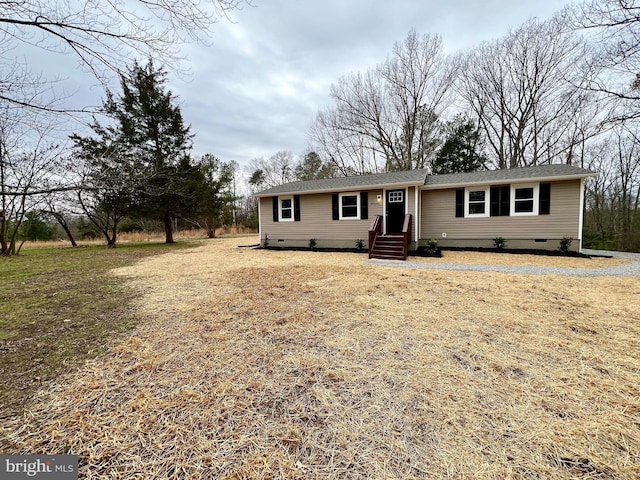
{"x": 58, "y": 307}
{"x": 266, "y": 364}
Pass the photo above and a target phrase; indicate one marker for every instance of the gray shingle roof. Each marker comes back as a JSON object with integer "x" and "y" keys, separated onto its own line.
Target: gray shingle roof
{"x": 539, "y": 172}
{"x": 408, "y": 177}
{"x": 419, "y": 177}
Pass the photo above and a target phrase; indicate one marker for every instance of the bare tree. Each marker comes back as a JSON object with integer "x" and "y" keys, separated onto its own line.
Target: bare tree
{"x": 27, "y": 170}
{"x": 30, "y": 153}
{"x": 275, "y": 170}
{"x": 56, "y": 206}
{"x": 105, "y": 193}
{"x": 350, "y": 152}
{"x": 418, "y": 80}
{"x": 613, "y": 198}
{"x": 626, "y": 192}
{"x": 521, "y": 88}
{"x": 283, "y": 167}
{"x": 599, "y": 219}
{"x": 103, "y": 35}
{"x": 389, "y": 114}
{"x": 615, "y": 49}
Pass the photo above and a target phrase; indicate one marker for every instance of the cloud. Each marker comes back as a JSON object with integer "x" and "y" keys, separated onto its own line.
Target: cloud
{"x": 257, "y": 87}
{"x": 256, "y": 90}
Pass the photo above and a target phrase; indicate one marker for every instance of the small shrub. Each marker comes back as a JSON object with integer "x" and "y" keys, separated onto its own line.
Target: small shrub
{"x": 565, "y": 243}
{"x": 431, "y": 249}
{"x": 500, "y": 242}
{"x": 360, "y": 245}
{"x": 312, "y": 244}
{"x": 432, "y": 245}
{"x": 265, "y": 242}
{"x": 128, "y": 226}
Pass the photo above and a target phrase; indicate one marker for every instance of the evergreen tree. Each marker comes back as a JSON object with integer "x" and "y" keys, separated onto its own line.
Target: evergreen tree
{"x": 211, "y": 192}
{"x": 311, "y": 167}
{"x": 141, "y": 162}
{"x": 34, "y": 228}
{"x": 154, "y": 131}
{"x": 462, "y": 149}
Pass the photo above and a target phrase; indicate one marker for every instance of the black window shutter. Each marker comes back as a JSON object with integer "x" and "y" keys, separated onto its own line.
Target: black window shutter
{"x": 499, "y": 201}
{"x": 334, "y": 207}
{"x": 364, "y": 205}
{"x": 544, "y": 202}
{"x": 494, "y": 201}
{"x": 296, "y": 208}
{"x": 460, "y": 202}
{"x": 505, "y": 203}
{"x": 275, "y": 209}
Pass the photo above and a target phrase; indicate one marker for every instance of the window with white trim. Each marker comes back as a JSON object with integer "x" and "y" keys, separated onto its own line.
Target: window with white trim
{"x": 524, "y": 199}
{"x": 349, "y": 206}
{"x": 476, "y": 202}
{"x": 286, "y": 209}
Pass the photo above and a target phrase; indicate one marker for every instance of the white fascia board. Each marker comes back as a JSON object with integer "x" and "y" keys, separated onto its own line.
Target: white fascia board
{"x": 508, "y": 181}
{"x": 360, "y": 188}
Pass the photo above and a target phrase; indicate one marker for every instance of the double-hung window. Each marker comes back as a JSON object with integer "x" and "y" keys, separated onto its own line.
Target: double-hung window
{"x": 524, "y": 199}
{"x": 349, "y": 206}
{"x": 476, "y": 202}
{"x": 286, "y": 209}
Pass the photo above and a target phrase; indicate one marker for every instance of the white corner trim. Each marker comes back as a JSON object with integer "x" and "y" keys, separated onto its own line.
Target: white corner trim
{"x": 581, "y": 213}
{"x": 384, "y": 210}
{"x": 416, "y": 223}
{"x": 260, "y": 219}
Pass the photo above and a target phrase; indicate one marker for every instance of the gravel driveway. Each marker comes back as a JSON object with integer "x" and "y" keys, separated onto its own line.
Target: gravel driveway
{"x": 631, "y": 269}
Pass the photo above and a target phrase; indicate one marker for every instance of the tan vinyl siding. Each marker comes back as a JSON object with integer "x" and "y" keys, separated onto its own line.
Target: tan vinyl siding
{"x": 439, "y": 216}
{"x": 316, "y": 220}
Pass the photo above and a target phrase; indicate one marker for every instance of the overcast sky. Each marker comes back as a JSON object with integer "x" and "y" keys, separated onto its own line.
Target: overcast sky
{"x": 255, "y": 90}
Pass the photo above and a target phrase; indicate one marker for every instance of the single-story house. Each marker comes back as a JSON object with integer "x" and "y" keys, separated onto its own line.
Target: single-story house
{"x": 532, "y": 207}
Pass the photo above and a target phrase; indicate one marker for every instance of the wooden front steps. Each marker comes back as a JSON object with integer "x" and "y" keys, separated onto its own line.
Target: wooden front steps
{"x": 388, "y": 247}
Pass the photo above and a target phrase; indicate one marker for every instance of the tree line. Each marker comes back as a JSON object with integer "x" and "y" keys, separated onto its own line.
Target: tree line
{"x": 136, "y": 166}
{"x": 137, "y": 162}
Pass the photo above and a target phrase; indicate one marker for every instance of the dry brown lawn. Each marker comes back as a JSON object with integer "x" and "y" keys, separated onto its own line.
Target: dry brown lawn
{"x": 256, "y": 364}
